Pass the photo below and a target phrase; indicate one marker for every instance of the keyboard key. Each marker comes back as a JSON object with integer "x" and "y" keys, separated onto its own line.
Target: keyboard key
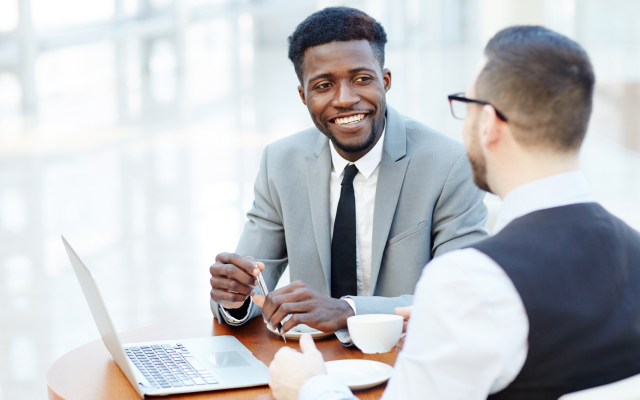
{"x": 211, "y": 380}
{"x": 135, "y": 348}
{"x": 199, "y": 381}
{"x": 166, "y": 346}
{"x": 187, "y": 383}
{"x": 195, "y": 364}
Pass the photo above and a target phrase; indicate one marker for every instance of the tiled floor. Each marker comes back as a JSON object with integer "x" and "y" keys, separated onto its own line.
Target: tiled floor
{"x": 149, "y": 203}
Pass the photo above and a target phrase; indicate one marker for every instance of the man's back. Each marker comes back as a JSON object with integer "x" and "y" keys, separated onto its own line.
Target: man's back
{"x": 577, "y": 271}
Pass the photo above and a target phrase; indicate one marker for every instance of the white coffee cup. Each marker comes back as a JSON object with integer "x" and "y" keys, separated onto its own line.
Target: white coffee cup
{"x": 375, "y": 333}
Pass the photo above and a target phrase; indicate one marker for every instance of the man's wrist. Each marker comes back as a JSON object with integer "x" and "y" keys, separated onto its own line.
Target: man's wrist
{"x": 346, "y": 311}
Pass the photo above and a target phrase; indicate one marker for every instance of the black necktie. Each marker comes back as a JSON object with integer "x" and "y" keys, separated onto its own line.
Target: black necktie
{"x": 344, "y": 279}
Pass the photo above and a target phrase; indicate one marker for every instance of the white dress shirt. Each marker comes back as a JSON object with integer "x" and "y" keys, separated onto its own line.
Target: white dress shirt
{"x": 467, "y": 336}
{"x": 364, "y": 187}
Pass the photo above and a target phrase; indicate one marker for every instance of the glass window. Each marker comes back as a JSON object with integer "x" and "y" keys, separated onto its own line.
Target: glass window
{"x": 8, "y": 15}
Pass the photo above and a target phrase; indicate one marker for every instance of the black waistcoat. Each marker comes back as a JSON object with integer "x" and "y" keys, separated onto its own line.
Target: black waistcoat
{"x": 577, "y": 270}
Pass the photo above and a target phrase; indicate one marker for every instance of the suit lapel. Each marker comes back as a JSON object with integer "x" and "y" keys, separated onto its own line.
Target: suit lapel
{"x": 393, "y": 167}
{"x": 318, "y": 172}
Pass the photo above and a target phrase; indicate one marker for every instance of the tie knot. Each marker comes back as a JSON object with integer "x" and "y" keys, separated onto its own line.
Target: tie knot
{"x": 350, "y": 172}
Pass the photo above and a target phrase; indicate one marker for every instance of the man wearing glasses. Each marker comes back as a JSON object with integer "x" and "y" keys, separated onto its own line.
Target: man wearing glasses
{"x": 358, "y": 204}
{"x": 551, "y": 303}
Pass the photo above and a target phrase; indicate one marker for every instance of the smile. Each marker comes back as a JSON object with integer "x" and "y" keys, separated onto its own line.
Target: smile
{"x": 352, "y": 119}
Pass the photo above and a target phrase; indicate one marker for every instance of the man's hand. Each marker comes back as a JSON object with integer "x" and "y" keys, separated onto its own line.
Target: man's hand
{"x": 404, "y": 312}
{"x": 233, "y": 279}
{"x": 306, "y": 306}
{"x": 290, "y": 369}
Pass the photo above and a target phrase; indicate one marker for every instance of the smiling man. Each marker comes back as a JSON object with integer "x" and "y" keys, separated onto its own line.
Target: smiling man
{"x": 355, "y": 206}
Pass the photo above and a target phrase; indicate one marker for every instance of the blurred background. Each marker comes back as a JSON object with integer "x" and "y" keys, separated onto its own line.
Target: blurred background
{"x": 135, "y": 128}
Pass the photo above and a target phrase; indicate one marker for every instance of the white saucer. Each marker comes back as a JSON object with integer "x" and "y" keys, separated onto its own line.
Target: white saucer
{"x": 297, "y": 331}
{"x": 359, "y": 374}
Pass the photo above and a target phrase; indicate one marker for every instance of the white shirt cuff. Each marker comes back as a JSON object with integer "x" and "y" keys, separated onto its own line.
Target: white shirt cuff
{"x": 324, "y": 387}
{"x": 234, "y": 321}
{"x": 351, "y": 303}
{"x": 343, "y": 334}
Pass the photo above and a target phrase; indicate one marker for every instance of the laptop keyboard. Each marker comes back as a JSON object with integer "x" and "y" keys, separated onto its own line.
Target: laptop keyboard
{"x": 167, "y": 366}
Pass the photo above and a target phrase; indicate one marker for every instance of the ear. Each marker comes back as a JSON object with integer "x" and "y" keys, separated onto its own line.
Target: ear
{"x": 491, "y": 131}
{"x": 386, "y": 78}
{"x": 302, "y": 96}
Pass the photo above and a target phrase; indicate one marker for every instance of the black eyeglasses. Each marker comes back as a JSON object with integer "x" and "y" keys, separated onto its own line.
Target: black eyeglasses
{"x": 459, "y": 106}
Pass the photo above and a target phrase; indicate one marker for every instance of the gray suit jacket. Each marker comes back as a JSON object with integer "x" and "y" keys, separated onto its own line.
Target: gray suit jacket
{"x": 426, "y": 204}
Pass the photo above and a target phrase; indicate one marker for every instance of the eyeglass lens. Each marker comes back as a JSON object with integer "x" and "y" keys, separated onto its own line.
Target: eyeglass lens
{"x": 459, "y": 109}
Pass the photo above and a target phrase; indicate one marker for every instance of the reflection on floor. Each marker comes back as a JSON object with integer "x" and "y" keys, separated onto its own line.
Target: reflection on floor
{"x": 149, "y": 204}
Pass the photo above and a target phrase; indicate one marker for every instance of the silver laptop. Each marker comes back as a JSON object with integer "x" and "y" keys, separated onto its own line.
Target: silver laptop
{"x": 172, "y": 366}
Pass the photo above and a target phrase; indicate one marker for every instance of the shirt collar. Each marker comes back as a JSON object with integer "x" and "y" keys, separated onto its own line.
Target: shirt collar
{"x": 366, "y": 164}
{"x": 552, "y": 191}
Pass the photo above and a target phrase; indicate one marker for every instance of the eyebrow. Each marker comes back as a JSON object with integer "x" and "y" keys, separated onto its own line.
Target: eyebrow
{"x": 320, "y": 76}
{"x": 351, "y": 71}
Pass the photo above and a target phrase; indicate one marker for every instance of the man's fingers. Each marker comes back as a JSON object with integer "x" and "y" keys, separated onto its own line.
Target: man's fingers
{"x": 290, "y": 288}
{"x": 256, "y": 269}
{"x": 273, "y": 301}
{"x": 232, "y": 271}
{"x": 241, "y": 262}
{"x": 220, "y": 296}
{"x": 281, "y": 306}
{"x": 230, "y": 285}
{"x": 404, "y": 312}
{"x": 308, "y": 319}
{"x": 260, "y": 265}
{"x": 258, "y": 300}
{"x": 307, "y": 344}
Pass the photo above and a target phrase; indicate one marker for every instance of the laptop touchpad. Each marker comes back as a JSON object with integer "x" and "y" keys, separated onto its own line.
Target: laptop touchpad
{"x": 227, "y": 359}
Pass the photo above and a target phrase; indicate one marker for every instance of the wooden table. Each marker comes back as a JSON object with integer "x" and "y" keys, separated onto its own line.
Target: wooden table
{"x": 89, "y": 372}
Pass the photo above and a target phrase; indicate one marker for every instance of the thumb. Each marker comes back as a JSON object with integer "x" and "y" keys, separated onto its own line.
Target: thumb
{"x": 306, "y": 344}
{"x": 404, "y": 312}
{"x": 258, "y": 300}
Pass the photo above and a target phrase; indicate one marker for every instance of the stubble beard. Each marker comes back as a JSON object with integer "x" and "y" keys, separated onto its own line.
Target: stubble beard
{"x": 356, "y": 147}
{"x": 478, "y": 161}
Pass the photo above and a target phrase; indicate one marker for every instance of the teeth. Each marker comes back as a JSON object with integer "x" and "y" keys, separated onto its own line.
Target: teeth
{"x": 349, "y": 120}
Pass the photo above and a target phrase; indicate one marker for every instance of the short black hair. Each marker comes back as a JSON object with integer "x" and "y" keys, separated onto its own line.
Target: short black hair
{"x": 335, "y": 24}
{"x": 543, "y": 82}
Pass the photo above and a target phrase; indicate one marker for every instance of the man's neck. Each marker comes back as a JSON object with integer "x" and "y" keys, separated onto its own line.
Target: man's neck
{"x": 531, "y": 167}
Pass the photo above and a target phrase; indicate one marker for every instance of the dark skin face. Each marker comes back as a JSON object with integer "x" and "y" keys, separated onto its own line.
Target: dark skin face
{"x": 340, "y": 80}
{"x": 345, "y": 79}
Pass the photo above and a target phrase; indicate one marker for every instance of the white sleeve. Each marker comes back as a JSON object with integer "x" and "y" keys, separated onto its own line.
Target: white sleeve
{"x": 323, "y": 387}
{"x": 467, "y": 335}
{"x": 234, "y": 321}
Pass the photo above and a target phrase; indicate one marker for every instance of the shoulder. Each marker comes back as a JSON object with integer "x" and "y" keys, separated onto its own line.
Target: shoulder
{"x": 465, "y": 271}
{"x": 302, "y": 143}
{"x": 426, "y": 142}
{"x": 460, "y": 263}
